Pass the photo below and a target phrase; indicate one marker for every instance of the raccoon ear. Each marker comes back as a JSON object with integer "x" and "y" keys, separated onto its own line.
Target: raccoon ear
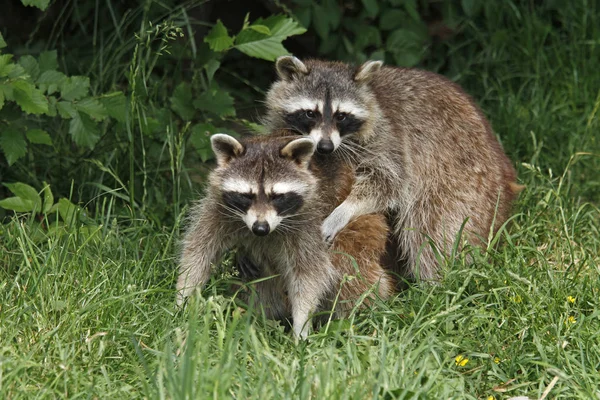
{"x": 367, "y": 70}
{"x": 299, "y": 150}
{"x": 290, "y": 66}
{"x": 226, "y": 148}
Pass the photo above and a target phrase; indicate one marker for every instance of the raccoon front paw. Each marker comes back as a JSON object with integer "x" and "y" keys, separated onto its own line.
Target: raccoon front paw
{"x": 334, "y": 223}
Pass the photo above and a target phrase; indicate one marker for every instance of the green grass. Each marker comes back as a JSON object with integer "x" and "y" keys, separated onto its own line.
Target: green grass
{"x": 87, "y": 310}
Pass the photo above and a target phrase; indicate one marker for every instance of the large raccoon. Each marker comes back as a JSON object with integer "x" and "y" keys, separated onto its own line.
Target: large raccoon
{"x": 264, "y": 199}
{"x": 423, "y": 151}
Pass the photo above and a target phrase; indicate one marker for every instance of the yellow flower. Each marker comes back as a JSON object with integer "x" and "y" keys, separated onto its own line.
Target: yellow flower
{"x": 491, "y": 398}
{"x": 571, "y": 299}
{"x": 461, "y": 361}
{"x": 571, "y": 319}
{"x": 517, "y": 299}
{"x": 497, "y": 360}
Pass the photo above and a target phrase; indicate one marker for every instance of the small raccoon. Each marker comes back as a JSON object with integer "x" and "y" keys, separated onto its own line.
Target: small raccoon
{"x": 423, "y": 151}
{"x": 263, "y": 198}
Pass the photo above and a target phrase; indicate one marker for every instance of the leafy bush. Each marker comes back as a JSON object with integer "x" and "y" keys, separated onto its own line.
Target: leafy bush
{"x": 136, "y": 135}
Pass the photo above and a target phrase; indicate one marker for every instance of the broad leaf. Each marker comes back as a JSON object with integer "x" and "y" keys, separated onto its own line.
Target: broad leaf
{"x": 200, "y": 139}
{"x": 260, "y": 29}
{"x": 268, "y": 47}
{"x": 38, "y": 136}
{"x": 6, "y": 65}
{"x": 17, "y": 204}
{"x": 2, "y": 42}
{"x": 30, "y": 65}
{"x": 13, "y": 144}
{"x": 48, "y": 61}
{"x": 115, "y": 104}
{"x": 27, "y": 194}
{"x": 406, "y": 46}
{"x": 84, "y": 131}
{"x": 48, "y": 198}
{"x": 92, "y": 107}
{"x": 217, "y": 38}
{"x": 75, "y": 88}
{"x": 66, "y": 109}
{"x": 392, "y": 19}
{"x": 217, "y": 101}
{"x": 181, "y": 102}
{"x": 371, "y": 7}
{"x": 29, "y": 98}
{"x": 321, "y": 21}
{"x": 41, "y": 4}
{"x": 211, "y": 67}
{"x": 50, "y": 81}
{"x": 2, "y": 96}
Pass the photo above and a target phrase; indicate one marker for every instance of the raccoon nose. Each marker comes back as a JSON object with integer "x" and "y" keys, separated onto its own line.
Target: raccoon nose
{"x": 260, "y": 228}
{"x": 325, "y": 146}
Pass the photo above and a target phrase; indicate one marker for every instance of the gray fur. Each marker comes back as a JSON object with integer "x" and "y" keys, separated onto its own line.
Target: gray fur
{"x": 425, "y": 155}
{"x": 294, "y": 252}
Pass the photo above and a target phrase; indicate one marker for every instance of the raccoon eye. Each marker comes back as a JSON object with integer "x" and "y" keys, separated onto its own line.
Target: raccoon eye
{"x": 341, "y": 116}
{"x": 310, "y": 114}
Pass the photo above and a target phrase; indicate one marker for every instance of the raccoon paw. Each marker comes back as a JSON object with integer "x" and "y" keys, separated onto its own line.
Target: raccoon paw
{"x": 334, "y": 223}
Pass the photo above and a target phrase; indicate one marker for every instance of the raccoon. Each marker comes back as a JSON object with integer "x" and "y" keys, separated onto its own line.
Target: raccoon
{"x": 263, "y": 199}
{"x": 423, "y": 151}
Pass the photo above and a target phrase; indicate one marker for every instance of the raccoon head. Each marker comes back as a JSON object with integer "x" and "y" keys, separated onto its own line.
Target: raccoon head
{"x": 263, "y": 181}
{"x": 330, "y": 101}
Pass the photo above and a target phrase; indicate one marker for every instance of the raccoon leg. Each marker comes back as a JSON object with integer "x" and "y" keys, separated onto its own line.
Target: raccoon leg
{"x": 308, "y": 283}
{"x": 358, "y": 251}
{"x": 374, "y": 191}
{"x": 203, "y": 244}
{"x": 343, "y": 214}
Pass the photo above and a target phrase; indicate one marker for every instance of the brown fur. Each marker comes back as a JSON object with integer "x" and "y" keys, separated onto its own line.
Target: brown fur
{"x": 425, "y": 155}
{"x": 295, "y": 252}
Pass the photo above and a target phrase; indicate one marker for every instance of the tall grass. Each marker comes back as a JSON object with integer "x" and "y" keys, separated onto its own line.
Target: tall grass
{"x": 87, "y": 309}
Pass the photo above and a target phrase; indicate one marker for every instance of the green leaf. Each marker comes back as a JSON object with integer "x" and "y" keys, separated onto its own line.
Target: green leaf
{"x": 366, "y": 35}
{"x": 92, "y": 107}
{"x": 200, "y": 139}
{"x": 392, "y": 19}
{"x": 27, "y": 194}
{"x": 304, "y": 16}
{"x": 48, "y": 198}
{"x": 16, "y": 204}
{"x": 406, "y": 46}
{"x": 66, "y": 109}
{"x": 320, "y": 21}
{"x": 29, "y": 98}
{"x": 2, "y": 42}
{"x": 216, "y": 101}
{"x": 2, "y": 96}
{"x": 218, "y": 39}
{"x": 13, "y": 144}
{"x": 371, "y": 7}
{"x": 260, "y": 29}
{"x": 30, "y": 65}
{"x": 41, "y": 4}
{"x": 211, "y": 67}
{"x": 49, "y": 81}
{"x": 116, "y": 105}
{"x": 334, "y": 13}
{"x": 48, "y": 61}
{"x": 6, "y": 66}
{"x": 84, "y": 131}
{"x": 38, "y": 136}
{"x": 66, "y": 210}
{"x": 268, "y": 47}
{"x": 181, "y": 102}
{"x": 75, "y": 88}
